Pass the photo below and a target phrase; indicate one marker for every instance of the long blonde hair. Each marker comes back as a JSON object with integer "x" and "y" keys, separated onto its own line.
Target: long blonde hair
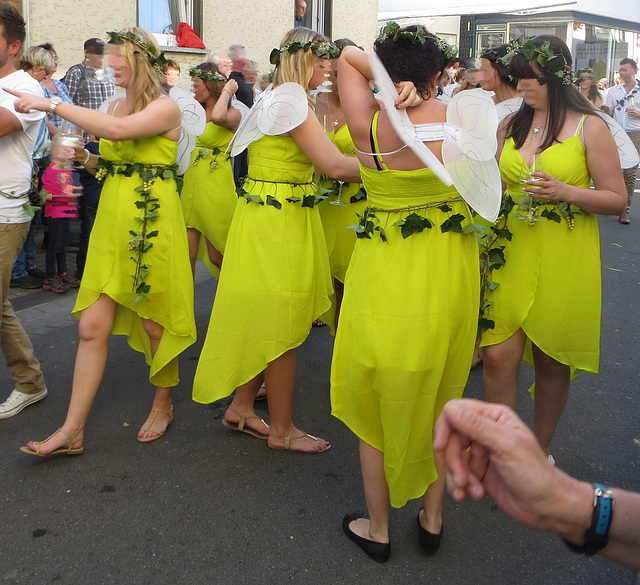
{"x": 298, "y": 66}
{"x": 145, "y": 84}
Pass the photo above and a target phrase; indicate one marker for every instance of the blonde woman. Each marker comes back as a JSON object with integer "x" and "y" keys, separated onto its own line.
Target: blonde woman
{"x": 275, "y": 279}
{"x": 139, "y": 231}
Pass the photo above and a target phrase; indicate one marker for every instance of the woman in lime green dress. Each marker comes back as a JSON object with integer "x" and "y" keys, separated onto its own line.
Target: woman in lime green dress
{"x": 339, "y": 212}
{"x": 137, "y": 281}
{"x": 275, "y": 279}
{"x": 548, "y": 303}
{"x": 208, "y": 194}
{"x": 408, "y": 319}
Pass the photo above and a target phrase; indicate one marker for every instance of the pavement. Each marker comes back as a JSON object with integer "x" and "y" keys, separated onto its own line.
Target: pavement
{"x": 206, "y": 505}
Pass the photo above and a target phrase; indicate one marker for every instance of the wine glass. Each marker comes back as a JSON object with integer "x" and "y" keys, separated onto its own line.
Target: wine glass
{"x": 338, "y": 200}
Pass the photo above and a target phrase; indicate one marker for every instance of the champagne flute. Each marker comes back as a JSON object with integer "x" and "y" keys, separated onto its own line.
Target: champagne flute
{"x": 338, "y": 200}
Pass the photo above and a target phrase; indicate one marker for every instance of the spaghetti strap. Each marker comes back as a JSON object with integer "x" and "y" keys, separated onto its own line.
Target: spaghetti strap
{"x": 580, "y": 128}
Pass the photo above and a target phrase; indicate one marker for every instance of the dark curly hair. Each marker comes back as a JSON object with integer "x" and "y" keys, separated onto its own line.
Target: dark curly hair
{"x": 408, "y": 61}
{"x": 492, "y": 55}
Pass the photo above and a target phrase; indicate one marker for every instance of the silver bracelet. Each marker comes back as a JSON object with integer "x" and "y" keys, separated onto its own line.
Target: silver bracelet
{"x": 86, "y": 160}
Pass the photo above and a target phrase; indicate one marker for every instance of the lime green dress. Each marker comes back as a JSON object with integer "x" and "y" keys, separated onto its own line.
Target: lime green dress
{"x": 208, "y": 194}
{"x": 112, "y": 259}
{"x": 407, "y": 324}
{"x": 336, "y": 219}
{"x": 275, "y": 279}
{"x": 550, "y": 285}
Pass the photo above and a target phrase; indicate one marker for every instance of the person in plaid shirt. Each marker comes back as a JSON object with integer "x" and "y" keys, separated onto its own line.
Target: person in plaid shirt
{"x": 88, "y": 85}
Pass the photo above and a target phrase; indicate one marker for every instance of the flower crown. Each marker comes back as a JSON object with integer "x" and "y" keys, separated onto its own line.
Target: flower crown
{"x": 418, "y": 37}
{"x": 292, "y": 47}
{"x": 552, "y": 64}
{"x": 156, "y": 61}
{"x": 207, "y": 75}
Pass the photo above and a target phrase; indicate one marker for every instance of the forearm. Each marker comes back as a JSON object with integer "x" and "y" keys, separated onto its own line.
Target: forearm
{"x": 598, "y": 201}
{"x": 94, "y": 122}
{"x": 346, "y": 170}
{"x": 357, "y": 59}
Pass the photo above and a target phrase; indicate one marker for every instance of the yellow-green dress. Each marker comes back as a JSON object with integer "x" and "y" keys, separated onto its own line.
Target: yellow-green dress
{"x": 275, "y": 279}
{"x": 407, "y": 324}
{"x": 550, "y": 285}
{"x": 208, "y": 194}
{"x": 336, "y": 219}
{"x": 110, "y": 267}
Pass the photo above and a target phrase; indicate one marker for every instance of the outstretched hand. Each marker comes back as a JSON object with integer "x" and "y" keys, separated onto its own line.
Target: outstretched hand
{"x": 487, "y": 448}
{"x": 27, "y": 101}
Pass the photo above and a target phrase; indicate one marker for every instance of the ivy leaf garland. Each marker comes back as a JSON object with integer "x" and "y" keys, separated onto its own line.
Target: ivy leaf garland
{"x": 147, "y": 205}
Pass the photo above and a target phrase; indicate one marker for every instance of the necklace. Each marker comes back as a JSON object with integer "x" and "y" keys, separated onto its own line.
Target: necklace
{"x": 336, "y": 121}
{"x": 537, "y": 129}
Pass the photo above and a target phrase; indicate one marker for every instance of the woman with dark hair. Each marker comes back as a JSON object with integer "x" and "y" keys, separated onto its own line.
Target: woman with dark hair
{"x": 588, "y": 87}
{"x": 496, "y": 78}
{"x": 208, "y": 194}
{"x": 137, "y": 280}
{"x": 548, "y": 303}
{"x": 398, "y": 355}
{"x": 275, "y": 279}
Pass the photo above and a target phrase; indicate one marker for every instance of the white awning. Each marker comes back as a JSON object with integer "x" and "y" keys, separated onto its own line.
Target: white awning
{"x": 417, "y": 8}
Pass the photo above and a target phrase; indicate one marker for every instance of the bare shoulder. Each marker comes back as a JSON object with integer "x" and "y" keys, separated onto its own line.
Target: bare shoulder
{"x": 164, "y": 103}
{"x": 594, "y": 123}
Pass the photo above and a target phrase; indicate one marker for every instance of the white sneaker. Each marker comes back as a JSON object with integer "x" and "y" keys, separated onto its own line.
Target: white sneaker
{"x": 17, "y": 401}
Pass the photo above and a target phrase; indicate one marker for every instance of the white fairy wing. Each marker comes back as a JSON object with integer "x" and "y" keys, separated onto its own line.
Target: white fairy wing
{"x": 469, "y": 151}
{"x": 104, "y": 106}
{"x": 194, "y": 122}
{"x": 400, "y": 120}
{"x": 626, "y": 150}
{"x": 238, "y": 105}
{"x": 275, "y": 112}
{"x": 508, "y": 107}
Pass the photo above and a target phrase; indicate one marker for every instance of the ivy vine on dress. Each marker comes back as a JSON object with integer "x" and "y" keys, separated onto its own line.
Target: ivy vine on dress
{"x": 147, "y": 206}
{"x": 310, "y": 200}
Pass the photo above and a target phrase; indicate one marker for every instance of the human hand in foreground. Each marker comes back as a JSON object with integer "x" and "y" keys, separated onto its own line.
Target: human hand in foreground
{"x": 488, "y": 449}
{"x": 231, "y": 86}
{"x": 545, "y": 186}
{"x": 27, "y": 101}
{"x": 407, "y": 95}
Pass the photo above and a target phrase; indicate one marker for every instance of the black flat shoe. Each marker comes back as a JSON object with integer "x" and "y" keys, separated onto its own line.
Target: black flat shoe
{"x": 429, "y": 542}
{"x": 378, "y": 551}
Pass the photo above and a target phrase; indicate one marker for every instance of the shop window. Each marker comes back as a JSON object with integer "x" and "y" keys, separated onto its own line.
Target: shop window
{"x": 161, "y": 17}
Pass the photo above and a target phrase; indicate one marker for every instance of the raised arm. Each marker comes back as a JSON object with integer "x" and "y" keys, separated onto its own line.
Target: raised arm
{"x": 222, "y": 114}
{"x": 158, "y": 117}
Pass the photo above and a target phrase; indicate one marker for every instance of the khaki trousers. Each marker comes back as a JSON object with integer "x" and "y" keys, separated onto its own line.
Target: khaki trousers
{"x": 630, "y": 174}
{"x": 16, "y": 346}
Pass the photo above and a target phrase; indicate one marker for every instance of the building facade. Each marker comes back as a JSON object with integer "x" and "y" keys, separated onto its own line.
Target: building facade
{"x": 256, "y": 24}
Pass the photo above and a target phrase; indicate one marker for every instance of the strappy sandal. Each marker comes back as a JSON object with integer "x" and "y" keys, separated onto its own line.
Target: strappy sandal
{"x": 240, "y": 426}
{"x": 69, "y": 450}
{"x": 155, "y": 412}
{"x": 287, "y": 443}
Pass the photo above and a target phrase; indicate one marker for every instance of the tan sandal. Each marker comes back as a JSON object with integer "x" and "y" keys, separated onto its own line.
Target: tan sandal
{"x": 287, "y": 443}
{"x": 155, "y": 412}
{"x": 241, "y": 427}
{"x": 69, "y": 450}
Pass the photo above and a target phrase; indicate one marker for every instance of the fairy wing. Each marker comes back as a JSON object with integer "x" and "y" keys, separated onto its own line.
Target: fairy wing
{"x": 626, "y": 150}
{"x": 104, "y": 106}
{"x": 194, "y": 122}
{"x": 508, "y": 107}
{"x": 275, "y": 112}
{"x": 244, "y": 109}
{"x": 400, "y": 120}
{"x": 468, "y": 151}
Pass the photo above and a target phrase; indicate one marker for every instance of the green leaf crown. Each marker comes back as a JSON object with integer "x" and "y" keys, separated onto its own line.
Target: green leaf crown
{"x": 207, "y": 75}
{"x": 418, "y": 37}
{"x": 551, "y": 63}
{"x": 156, "y": 61}
{"x": 292, "y": 47}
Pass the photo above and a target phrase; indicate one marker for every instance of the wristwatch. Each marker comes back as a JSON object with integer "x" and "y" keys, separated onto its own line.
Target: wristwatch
{"x": 596, "y": 536}
{"x": 54, "y": 102}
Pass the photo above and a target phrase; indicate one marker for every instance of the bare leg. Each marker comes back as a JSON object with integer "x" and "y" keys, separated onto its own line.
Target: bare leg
{"x": 501, "y": 363}
{"x": 214, "y": 254}
{"x": 157, "y": 422}
{"x": 193, "y": 237}
{"x": 431, "y": 516}
{"x": 242, "y": 406}
{"x": 279, "y": 377}
{"x": 95, "y": 326}
{"x": 376, "y": 493}
{"x": 552, "y": 392}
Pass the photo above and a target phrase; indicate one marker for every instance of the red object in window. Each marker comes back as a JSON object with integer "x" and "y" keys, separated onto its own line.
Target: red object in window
{"x": 186, "y": 37}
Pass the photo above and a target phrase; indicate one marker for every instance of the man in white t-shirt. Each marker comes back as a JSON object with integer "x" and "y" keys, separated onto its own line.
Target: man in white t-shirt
{"x": 18, "y": 133}
{"x": 623, "y": 103}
